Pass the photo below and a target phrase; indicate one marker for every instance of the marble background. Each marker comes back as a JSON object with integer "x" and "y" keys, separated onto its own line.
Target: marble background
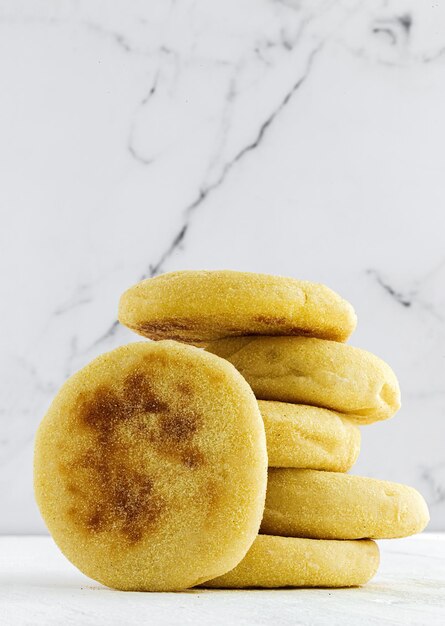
{"x": 297, "y": 137}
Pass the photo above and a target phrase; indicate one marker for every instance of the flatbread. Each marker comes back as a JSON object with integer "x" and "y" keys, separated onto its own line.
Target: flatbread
{"x": 151, "y": 467}
{"x": 199, "y": 306}
{"x": 304, "y": 370}
{"x": 305, "y": 436}
{"x": 289, "y": 562}
{"x": 331, "y": 505}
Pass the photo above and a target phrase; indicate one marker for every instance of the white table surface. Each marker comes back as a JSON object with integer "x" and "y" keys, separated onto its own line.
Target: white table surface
{"x": 39, "y": 586}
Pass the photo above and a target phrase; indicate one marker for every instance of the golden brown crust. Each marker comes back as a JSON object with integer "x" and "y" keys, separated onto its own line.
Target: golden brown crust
{"x": 200, "y": 306}
{"x": 290, "y": 562}
{"x": 150, "y": 467}
{"x": 305, "y": 370}
{"x": 330, "y": 505}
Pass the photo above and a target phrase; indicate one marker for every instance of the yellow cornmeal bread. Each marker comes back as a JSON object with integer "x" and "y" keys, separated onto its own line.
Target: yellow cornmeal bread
{"x": 298, "y": 435}
{"x": 199, "y": 306}
{"x": 330, "y": 505}
{"x": 323, "y": 373}
{"x": 289, "y": 562}
{"x": 150, "y": 467}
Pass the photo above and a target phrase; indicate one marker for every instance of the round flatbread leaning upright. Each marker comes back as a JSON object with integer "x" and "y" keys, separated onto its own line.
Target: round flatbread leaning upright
{"x": 151, "y": 467}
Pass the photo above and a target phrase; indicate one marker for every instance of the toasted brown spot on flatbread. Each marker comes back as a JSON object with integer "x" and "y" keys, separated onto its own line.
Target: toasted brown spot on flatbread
{"x": 126, "y": 502}
{"x": 168, "y": 328}
{"x": 185, "y": 389}
{"x": 193, "y": 458}
{"x": 115, "y": 496}
{"x": 177, "y": 428}
{"x": 185, "y": 330}
{"x": 139, "y": 395}
{"x": 291, "y": 329}
{"x": 73, "y": 489}
{"x": 101, "y": 409}
{"x": 174, "y": 436}
{"x": 269, "y": 319}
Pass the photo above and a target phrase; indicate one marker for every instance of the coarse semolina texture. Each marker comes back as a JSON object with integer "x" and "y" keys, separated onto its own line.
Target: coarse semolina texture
{"x": 312, "y": 371}
{"x": 305, "y": 436}
{"x": 151, "y": 467}
{"x": 330, "y": 505}
{"x": 200, "y": 306}
{"x": 290, "y": 562}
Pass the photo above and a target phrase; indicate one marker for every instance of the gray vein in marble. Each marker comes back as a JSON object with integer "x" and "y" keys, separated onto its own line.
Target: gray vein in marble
{"x": 434, "y": 57}
{"x": 174, "y": 245}
{"x": 284, "y": 42}
{"x": 134, "y": 153}
{"x": 397, "y": 295}
{"x": 79, "y": 298}
{"x": 157, "y": 267}
{"x": 115, "y": 36}
{"x": 110, "y": 332}
{"x": 398, "y": 29}
{"x": 406, "y": 21}
{"x": 414, "y": 295}
{"x": 40, "y": 385}
{"x": 151, "y": 93}
{"x": 73, "y": 351}
{"x": 163, "y": 52}
{"x": 395, "y": 27}
{"x": 208, "y": 188}
{"x": 295, "y": 5}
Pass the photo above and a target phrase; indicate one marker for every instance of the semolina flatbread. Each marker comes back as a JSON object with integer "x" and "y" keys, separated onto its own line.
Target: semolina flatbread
{"x": 200, "y": 306}
{"x": 305, "y": 436}
{"x": 151, "y": 467}
{"x": 330, "y": 505}
{"x": 290, "y": 562}
{"x": 304, "y": 370}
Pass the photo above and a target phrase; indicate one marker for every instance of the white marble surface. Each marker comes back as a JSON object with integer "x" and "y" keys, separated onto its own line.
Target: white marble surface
{"x": 294, "y": 137}
{"x": 39, "y": 586}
